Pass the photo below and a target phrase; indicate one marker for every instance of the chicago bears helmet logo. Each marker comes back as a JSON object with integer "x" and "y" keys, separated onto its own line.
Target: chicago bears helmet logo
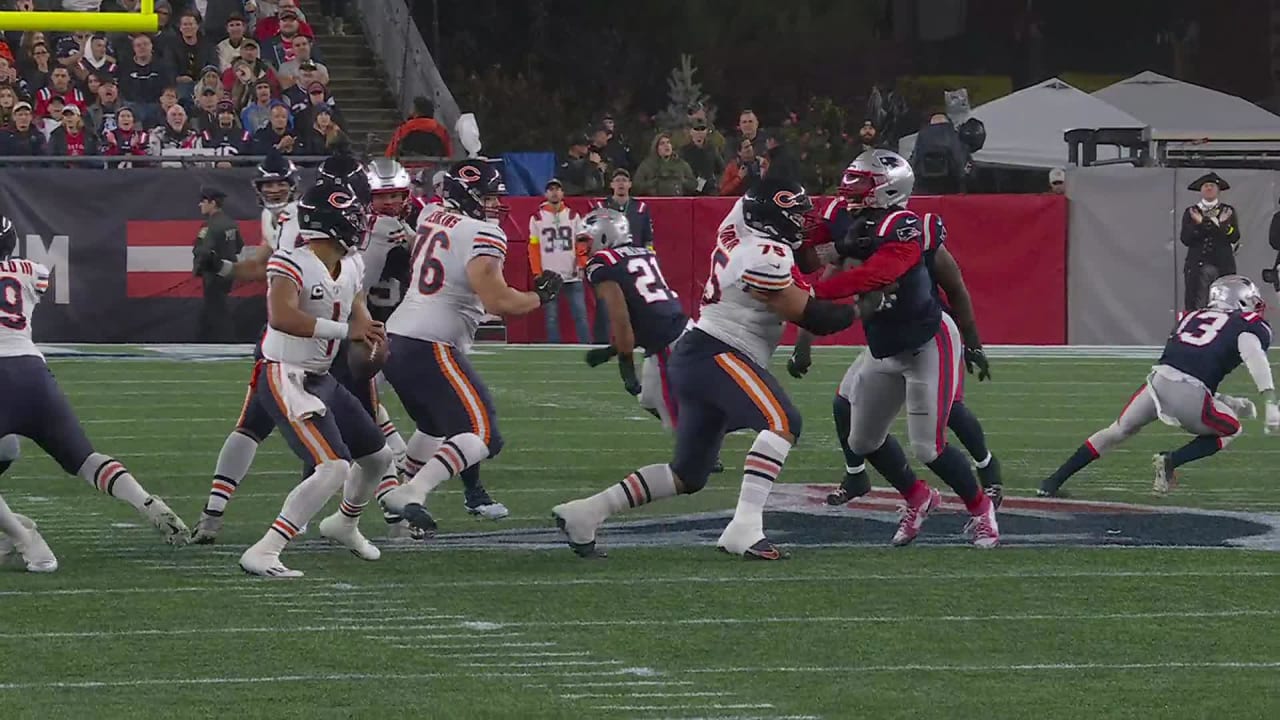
{"x": 787, "y": 199}
{"x": 469, "y": 173}
{"x": 341, "y": 200}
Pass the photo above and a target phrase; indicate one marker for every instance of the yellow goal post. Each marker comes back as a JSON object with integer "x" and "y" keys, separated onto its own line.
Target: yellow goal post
{"x": 143, "y": 21}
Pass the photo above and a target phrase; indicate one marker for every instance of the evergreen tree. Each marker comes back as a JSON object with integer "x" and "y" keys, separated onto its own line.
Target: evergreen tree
{"x": 683, "y": 91}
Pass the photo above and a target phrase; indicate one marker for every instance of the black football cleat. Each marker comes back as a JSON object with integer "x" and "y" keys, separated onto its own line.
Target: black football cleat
{"x": 1048, "y": 490}
{"x": 854, "y": 486}
{"x": 989, "y": 476}
{"x": 718, "y": 467}
{"x": 418, "y": 517}
{"x": 765, "y": 550}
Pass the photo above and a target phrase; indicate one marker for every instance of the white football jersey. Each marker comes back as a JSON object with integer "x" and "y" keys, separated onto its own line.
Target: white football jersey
{"x": 280, "y": 225}
{"x": 320, "y": 295}
{"x": 22, "y": 283}
{"x": 385, "y": 233}
{"x": 743, "y": 260}
{"x": 440, "y": 305}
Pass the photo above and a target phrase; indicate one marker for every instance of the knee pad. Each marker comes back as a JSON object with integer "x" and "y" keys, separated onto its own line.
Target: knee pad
{"x": 10, "y": 448}
{"x": 334, "y": 472}
{"x": 378, "y": 460}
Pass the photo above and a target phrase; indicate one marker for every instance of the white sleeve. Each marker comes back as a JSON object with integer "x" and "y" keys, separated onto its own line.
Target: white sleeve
{"x": 375, "y": 254}
{"x": 1255, "y": 358}
{"x": 769, "y": 271}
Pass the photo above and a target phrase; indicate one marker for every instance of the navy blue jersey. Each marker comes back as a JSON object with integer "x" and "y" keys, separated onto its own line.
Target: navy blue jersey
{"x": 1205, "y": 345}
{"x": 935, "y": 234}
{"x": 916, "y": 313}
{"x": 657, "y": 318}
{"x": 384, "y": 296}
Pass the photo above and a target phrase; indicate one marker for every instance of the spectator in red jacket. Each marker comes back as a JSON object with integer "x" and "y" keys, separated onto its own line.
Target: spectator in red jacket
{"x": 269, "y": 27}
{"x": 72, "y": 138}
{"x": 59, "y": 84}
{"x": 421, "y": 134}
{"x": 127, "y": 138}
{"x": 251, "y": 53}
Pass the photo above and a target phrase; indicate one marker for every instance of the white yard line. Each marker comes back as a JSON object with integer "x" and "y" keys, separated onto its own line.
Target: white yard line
{"x": 712, "y": 706}
{"x": 614, "y": 696}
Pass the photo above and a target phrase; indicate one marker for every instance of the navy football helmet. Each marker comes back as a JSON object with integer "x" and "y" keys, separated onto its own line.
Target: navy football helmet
{"x": 275, "y": 169}
{"x": 474, "y": 188}
{"x": 344, "y": 168}
{"x": 8, "y": 238}
{"x": 778, "y": 208}
{"x": 331, "y": 209}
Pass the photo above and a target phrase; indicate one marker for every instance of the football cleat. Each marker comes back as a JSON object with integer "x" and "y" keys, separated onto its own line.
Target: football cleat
{"x": 996, "y": 493}
{"x": 207, "y": 529}
{"x": 479, "y": 503}
{"x": 579, "y": 527}
{"x": 418, "y": 518}
{"x": 854, "y": 486}
{"x": 738, "y": 539}
{"x": 346, "y": 532}
{"x": 264, "y": 563}
{"x": 983, "y": 530}
{"x": 989, "y": 476}
{"x": 913, "y": 518}
{"x": 402, "y": 530}
{"x": 175, "y": 531}
{"x": 35, "y": 552}
{"x": 718, "y": 467}
{"x": 764, "y": 550}
{"x": 1165, "y": 479}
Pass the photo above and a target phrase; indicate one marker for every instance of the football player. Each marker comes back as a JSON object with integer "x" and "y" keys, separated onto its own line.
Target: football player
{"x": 642, "y": 310}
{"x": 456, "y": 277}
{"x": 914, "y": 350}
{"x": 718, "y": 371}
{"x": 838, "y": 218}
{"x": 277, "y": 189}
{"x": 35, "y": 408}
{"x": 314, "y": 302}
{"x": 387, "y": 267}
{"x": 1182, "y": 389}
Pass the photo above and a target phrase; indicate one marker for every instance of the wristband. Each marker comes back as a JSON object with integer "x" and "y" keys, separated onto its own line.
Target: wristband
{"x": 330, "y": 329}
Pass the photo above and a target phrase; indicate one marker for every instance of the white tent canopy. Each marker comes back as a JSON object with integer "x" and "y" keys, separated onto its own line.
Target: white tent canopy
{"x": 1171, "y": 106}
{"x": 1025, "y": 128}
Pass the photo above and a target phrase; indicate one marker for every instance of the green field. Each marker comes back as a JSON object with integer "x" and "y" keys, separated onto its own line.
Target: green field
{"x": 133, "y": 629}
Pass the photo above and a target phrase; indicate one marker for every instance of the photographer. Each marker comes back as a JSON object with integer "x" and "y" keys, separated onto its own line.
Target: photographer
{"x": 940, "y": 159}
{"x": 1212, "y": 236}
{"x": 582, "y": 171}
{"x": 215, "y": 251}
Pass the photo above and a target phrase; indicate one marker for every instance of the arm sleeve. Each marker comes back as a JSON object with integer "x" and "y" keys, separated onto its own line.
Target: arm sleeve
{"x": 890, "y": 262}
{"x": 535, "y": 248}
{"x": 1255, "y": 358}
{"x": 490, "y": 242}
{"x": 769, "y": 272}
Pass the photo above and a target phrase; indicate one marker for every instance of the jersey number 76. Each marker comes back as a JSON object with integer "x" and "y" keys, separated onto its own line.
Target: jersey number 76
{"x": 431, "y": 273}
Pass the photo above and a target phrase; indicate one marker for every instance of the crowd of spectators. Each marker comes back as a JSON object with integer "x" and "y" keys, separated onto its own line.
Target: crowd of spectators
{"x": 220, "y": 77}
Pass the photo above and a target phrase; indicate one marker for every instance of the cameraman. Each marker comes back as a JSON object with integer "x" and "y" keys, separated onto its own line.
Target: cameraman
{"x": 940, "y": 158}
{"x": 216, "y": 248}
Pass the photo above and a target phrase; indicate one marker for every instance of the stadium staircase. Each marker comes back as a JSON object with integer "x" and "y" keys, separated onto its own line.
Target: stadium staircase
{"x": 357, "y": 82}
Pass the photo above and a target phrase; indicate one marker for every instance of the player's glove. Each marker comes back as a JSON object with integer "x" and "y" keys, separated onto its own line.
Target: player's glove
{"x": 627, "y": 368}
{"x": 800, "y": 361}
{"x": 547, "y": 285}
{"x": 1273, "y": 419}
{"x": 870, "y": 303}
{"x": 600, "y": 356}
{"x": 977, "y": 357}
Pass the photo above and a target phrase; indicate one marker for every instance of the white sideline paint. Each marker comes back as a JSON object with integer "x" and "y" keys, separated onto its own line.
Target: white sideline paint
{"x": 624, "y": 683}
{"x": 647, "y": 708}
{"x": 284, "y": 629}
{"x": 614, "y": 696}
{"x": 376, "y": 589}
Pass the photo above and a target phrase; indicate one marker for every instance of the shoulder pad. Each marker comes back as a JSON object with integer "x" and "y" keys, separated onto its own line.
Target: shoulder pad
{"x": 935, "y": 232}
{"x": 900, "y": 225}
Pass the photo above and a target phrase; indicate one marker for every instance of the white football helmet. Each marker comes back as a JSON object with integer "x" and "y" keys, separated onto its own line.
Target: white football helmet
{"x": 1235, "y": 293}
{"x": 606, "y": 228}
{"x": 390, "y": 184}
{"x": 877, "y": 179}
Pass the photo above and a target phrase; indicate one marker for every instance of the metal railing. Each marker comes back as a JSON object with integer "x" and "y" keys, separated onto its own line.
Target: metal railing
{"x": 411, "y": 70}
{"x": 180, "y": 161}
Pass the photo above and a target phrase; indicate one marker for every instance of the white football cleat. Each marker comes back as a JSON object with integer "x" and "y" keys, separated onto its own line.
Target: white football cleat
{"x": 1165, "y": 478}
{"x": 166, "y": 521}
{"x": 207, "y": 529}
{"x": 258, "y": 561}
{"x": 486, "y": 507}
{"x": 346, "y": 532}
{"x": 396, "y": 500}
{"x": 913, "y": 518}
{"x": 579, "y": 523}
{"x": 984, "y": 530}
{"x": 35, "y": 552}
{"x": 737, "y": 538}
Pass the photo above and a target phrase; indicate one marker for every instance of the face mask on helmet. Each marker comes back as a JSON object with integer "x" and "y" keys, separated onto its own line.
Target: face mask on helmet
{"x": 494, "y": 209}
{"x": 389, "y": 202}
{"x": 858, "y": 188}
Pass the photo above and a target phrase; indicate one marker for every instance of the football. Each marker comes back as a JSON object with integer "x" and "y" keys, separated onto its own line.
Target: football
{"x": 364, "y": 360}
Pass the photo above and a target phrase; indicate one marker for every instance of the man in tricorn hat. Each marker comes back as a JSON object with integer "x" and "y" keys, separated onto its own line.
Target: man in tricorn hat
{"x": 1211, "y": 232}
{"x": 219, "y": 238}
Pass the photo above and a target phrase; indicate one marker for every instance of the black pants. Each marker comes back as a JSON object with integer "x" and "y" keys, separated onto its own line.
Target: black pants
{"x": 215, "y": 315}
{"x": 1196, "y": 280}
{"x": 333, "y": 8}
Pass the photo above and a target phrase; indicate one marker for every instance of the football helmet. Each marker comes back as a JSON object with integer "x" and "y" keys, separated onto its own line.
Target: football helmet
{"x": 389, "y": 184}
{"x": 606, "y": 228}
{"x": 344, "y": 168}
{"x": 877, "y": 179}
{"x": 8, "y": 238}
{"x": 274, "y": 170}
{"x": 1235, "y": 292}
{"x": 474, "y": 188}
{"x": 331, "y": 210}
{"x": 778, "y": 208}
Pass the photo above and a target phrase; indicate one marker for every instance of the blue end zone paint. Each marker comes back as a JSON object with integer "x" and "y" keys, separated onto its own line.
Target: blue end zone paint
{"x": 797, "y": 516}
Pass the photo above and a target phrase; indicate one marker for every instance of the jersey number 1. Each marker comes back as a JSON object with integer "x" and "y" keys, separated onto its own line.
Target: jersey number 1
{"x": 431, "y": 275}
{"x": 1201, "y": 327}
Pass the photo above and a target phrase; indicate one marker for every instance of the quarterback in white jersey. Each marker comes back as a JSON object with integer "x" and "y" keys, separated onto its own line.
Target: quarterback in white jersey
{"x": 276, "y": 186}
{"x": 314, "y": 302}
{"x": 456, "y": 276}
{"x": 34, "y": 407}
{"x": 720, "y": 378}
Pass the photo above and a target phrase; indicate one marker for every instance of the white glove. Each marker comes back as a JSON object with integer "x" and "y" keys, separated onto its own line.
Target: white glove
{"x": 827, "y": 254}
{"x": 1273, "y": 419}
{"x": 400, "y": 234}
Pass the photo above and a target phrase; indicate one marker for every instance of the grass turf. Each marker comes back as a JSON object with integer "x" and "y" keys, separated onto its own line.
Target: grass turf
{"x": 130, "y": 628}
